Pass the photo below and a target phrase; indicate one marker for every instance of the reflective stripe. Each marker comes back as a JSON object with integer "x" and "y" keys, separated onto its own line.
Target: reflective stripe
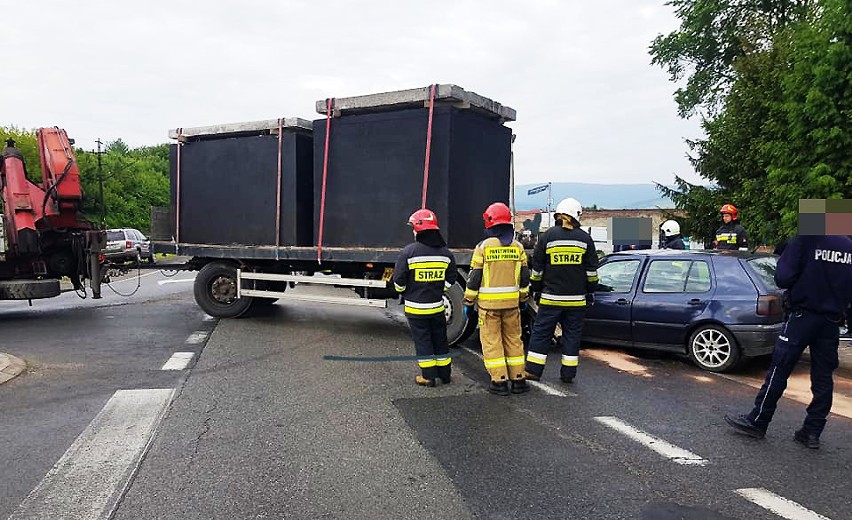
{"x": 418, "y": 305}
{"x": 443, "y": 361}
{"x": 566, "y": 243}
{"x": 447, "y": 284}
{"x": 418, "y": 259}
{"x": 498, "y": 289}
{"x": 495, "y": 362}
{"x": 399, "y": 288}
{"x": 427, "y": 363}
{"x": 428, "y": 265}
{"x": 515, "y": 361}
{"x": 592, "y": 279}
{"x": 545, "y": 301}
{"x": 536, "y": 276}
{"x": 570, "y": 361}
{"x": 514, "y": 295}
{"x": 592, "y": 274}
{"x": 424, "y": 312}
{"x": 564, "y": 297}
{"x": 565, "y": 249}
{"x": 535, "y": 357}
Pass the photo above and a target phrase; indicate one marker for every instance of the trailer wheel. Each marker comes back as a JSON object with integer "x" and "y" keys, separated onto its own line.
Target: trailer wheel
{"x": 457, "y": 324}
{"x": 28, "y": 289}
{"x": 216, "y": 291}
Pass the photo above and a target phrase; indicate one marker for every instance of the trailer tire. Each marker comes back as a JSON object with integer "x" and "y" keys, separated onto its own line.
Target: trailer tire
{"x": 457, "y": 324}
{"x": 215, "y": 291}
{"x": 28, "y": 289}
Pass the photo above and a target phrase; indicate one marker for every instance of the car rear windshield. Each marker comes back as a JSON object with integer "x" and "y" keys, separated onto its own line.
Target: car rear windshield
{"x": 114, "y": 236}
{"x": 764, "y": 268}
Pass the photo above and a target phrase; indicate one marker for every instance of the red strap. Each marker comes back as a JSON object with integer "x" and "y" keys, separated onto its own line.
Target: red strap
{"x": 328, "y": 103}
{"x": 428, "y": 144}
{"x": 278, "y": 188}
{"x": 177, "y": 187}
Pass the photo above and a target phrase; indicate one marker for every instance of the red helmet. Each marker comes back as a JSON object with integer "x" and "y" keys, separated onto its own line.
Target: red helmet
{"x": 497, "y": 213}
{"x": 423, "y": 219}
{"x": 730, "y": 209}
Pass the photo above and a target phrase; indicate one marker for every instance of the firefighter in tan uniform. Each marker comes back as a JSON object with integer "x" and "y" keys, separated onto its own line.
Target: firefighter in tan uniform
{"x": 499, "y": 285}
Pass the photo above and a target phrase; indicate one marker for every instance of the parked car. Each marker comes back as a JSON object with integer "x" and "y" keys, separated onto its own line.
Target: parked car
{"x": 128, "y": 244}
{"x": 717, "y": 307}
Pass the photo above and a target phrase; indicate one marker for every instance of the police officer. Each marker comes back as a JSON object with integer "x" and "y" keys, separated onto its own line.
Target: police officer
{"x": 424, "y": 270}
{"x": 673, "y": 240}
{"x": 499, "y": 284}
{"x": 564, "y": 271}
{"x": 817, "y": 271}
{"x": 731, "y": 234}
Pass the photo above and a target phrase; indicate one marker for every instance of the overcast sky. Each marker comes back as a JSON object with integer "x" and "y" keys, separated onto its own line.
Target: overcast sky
{"x": 590, "y": 106}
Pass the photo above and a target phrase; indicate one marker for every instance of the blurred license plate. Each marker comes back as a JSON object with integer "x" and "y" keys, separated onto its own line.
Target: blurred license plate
{"x": 388, "y": 274}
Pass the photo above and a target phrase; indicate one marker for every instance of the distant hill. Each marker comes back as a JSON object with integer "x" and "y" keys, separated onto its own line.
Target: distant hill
{"x": 604, "y": 196}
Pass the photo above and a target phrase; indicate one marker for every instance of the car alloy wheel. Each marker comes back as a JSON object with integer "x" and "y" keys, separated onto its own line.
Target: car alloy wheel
{"x": 713, "y": 348}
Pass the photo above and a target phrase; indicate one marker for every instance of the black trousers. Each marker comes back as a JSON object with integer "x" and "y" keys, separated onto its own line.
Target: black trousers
{"x": 802, "y": 329}
{"x": 430, "y": 344}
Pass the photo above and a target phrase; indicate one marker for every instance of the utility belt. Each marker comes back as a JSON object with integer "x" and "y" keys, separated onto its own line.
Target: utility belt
{"x": 830, "y": 316}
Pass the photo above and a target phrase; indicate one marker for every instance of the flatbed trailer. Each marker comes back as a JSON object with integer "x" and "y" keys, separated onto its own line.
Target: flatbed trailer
{"x": 262, "y": 206}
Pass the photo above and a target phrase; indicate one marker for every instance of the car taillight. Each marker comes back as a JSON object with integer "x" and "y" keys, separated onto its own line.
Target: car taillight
{"x": 769, "y": 306}
{"x": 128, "y": 244}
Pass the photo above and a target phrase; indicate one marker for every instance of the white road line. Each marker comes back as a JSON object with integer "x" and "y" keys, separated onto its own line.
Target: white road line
{"x": 196, "y": 337}
{"x": 544, "y": 387}
{"x": 184, "y": 280}
{"x": 89, "y": 479}
{"x": 134, "y": 278}
{"x": 779, "y": 505}
{"x": 208, "y": 318}
{"x": 179, "y": 361}
{"x": 669, "y": 451}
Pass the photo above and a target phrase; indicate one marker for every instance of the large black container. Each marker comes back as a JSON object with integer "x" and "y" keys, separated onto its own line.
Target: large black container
{"x": 376, "y": 153}
{"x": 228, "y": 184}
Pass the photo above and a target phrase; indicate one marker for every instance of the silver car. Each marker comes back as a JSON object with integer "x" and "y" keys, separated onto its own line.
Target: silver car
{"x": 128, "y": 244}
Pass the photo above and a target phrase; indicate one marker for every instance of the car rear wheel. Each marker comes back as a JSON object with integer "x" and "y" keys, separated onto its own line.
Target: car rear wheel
{"x": 713, "y": 348}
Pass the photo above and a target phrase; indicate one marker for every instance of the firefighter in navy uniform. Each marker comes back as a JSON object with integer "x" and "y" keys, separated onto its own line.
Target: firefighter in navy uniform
{"x": 673, "y": 240}
{"x": 424, "y": 270}
{"x": 731, "y": 234}
{"x": 499, "y": 285}
{"x": 564, "y": 272}
{"x": 817, "y": 271}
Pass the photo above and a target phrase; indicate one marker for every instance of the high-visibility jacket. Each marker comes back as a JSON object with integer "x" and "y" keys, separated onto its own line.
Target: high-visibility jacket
{"x": 565, "y": 267}
{"x": 499, "y": 277}
{"x": 422, "y": 274}
{"x": 731, "y": 236}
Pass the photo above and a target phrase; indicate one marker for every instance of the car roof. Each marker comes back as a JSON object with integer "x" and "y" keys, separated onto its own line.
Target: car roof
{"x": 666, "y": 253}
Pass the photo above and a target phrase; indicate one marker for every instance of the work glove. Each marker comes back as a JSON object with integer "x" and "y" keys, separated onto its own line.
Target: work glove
{"x": 590, "y": 299}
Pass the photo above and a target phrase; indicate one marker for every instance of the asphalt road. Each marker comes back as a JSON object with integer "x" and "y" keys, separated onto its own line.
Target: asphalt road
{"x": 308, "y": 411}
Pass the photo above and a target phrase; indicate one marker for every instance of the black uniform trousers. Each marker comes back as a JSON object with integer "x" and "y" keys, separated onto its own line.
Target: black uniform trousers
{"x": 802, "y": 329}
{"x": 430, "y": 344}
{"x": 544, "y": 326}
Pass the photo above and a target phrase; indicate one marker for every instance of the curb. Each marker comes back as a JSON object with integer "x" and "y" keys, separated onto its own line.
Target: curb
{"x": 10, "y": 367}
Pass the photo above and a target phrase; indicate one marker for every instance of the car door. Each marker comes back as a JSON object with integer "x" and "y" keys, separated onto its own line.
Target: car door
{"x": 675, "y": 292}
{"x": 608, "y": 320}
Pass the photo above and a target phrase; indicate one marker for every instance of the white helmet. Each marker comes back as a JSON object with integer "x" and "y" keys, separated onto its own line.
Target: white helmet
{"x": 570, "y": 207}
{"x": 671, "y": 228}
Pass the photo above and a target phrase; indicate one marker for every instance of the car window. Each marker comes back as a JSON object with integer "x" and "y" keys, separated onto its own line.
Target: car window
{"x": 698, "y": 279}
{"x": 617, "y": 276}
{"x": 764, "y": 267}
{"x": 666, "y": 276}
{"x": 115, "y": 236}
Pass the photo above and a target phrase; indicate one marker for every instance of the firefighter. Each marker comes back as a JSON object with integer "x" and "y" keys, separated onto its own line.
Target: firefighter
{"x": 817, "y": 271}
{"x": 424, "y": 270}
{"x": 499, "y": 285}
{"x": 673, "y": 240}
{"x": 564, "y": 273}
{"x": 731, "y": 234}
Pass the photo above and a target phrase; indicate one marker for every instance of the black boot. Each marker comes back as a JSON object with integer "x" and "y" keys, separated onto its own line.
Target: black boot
{"x": 520, "y": 386}
{"x": 808, "y": 440}
{"x": 743, "y": 424}
{"x": 501, "y": 388}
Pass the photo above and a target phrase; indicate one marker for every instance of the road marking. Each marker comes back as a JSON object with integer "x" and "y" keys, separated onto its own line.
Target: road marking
{"x": 669, "y": 451}
{"x": 90, "y": 478}
{"x": 544, "y": 387}
{"x": 779, "y": 505}
{"x": 184, "y": 280}
{"x": 207, "y": 317}
{"x": 179, "y": 361}
{"x": 134, "y": 278}
{"x": 196, "y": 337}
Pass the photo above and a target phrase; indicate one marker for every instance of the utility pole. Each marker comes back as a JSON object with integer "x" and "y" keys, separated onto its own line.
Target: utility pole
{"x": 101, "y": 182}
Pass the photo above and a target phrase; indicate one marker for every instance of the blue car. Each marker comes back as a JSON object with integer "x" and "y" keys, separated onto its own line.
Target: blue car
{"x": 717, "y": 307}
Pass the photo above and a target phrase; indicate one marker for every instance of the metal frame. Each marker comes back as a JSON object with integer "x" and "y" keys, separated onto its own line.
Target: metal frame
{"x": 343, "y": 282}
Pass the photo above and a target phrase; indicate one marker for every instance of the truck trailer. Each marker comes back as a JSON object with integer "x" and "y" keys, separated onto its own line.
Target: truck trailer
{"x": 261, "y": 206}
